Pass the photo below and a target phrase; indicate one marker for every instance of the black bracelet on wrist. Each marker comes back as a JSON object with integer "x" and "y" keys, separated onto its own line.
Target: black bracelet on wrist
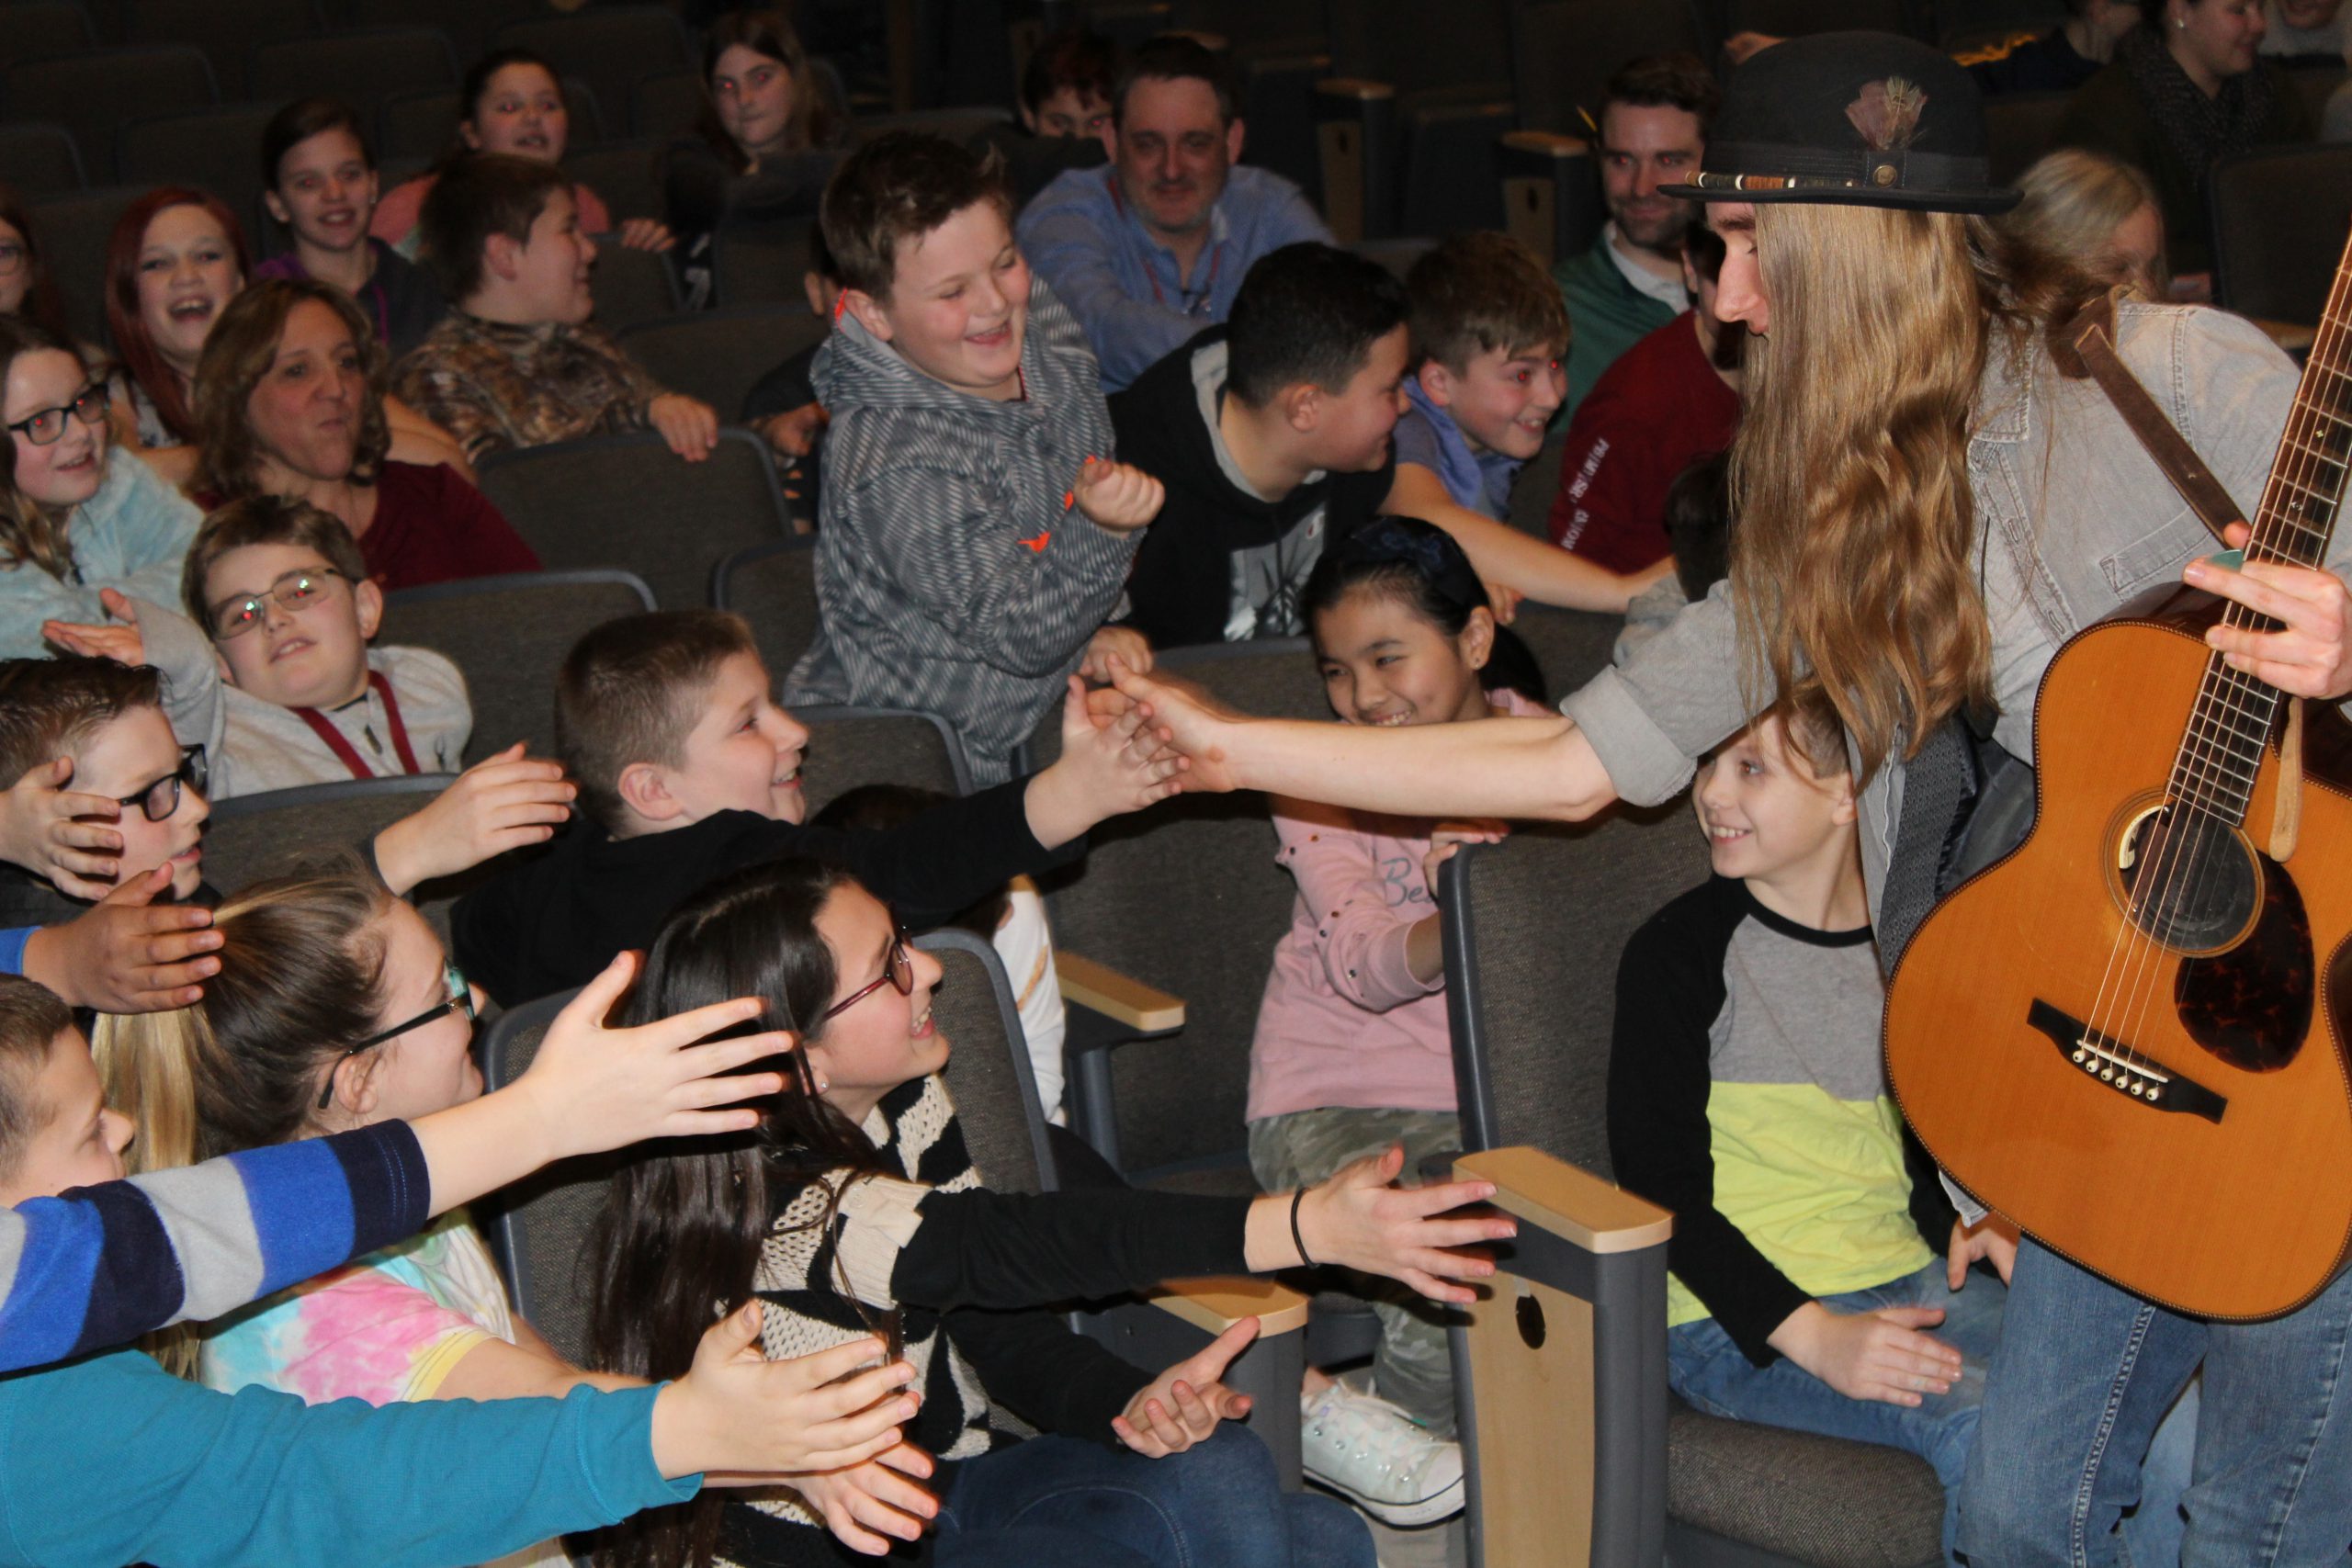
{"x": 1296, "y": 1239}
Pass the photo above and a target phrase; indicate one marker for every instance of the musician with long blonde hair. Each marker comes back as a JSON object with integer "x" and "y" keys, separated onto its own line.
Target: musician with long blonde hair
{"x": 1927, "y": 505}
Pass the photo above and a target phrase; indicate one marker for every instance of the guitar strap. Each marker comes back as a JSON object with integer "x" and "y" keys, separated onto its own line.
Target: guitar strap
{"x": 2092, "y": 336}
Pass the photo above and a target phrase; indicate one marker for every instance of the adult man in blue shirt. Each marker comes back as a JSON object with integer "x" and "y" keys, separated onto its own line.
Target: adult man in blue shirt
{"x": 1152, "y": 249}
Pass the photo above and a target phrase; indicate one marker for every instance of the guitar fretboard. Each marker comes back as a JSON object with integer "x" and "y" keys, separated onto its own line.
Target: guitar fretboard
{"x": 2230, "y": 725}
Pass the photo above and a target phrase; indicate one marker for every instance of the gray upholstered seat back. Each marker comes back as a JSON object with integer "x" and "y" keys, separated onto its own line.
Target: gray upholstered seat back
{"x": 719, "y": 356}
{"x": 540, "y": 1226}
{"x": 261, "y": 835}
{"x": 988, "y": 1070}
{"x": 1187, "y": 896}
{"x": 629, "y": 502}
{"x": 509, "y": 635}
{"x": 853, "y": 746}
{"x": 1530, "y": 979}
{"x": 773, "y": 586}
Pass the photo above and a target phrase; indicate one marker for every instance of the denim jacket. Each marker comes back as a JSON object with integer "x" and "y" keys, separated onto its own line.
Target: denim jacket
{"x": 2074, "y": 520}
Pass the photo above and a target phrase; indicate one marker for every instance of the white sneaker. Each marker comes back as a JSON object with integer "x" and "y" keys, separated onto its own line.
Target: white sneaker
{"x": 1367, "y": 1449}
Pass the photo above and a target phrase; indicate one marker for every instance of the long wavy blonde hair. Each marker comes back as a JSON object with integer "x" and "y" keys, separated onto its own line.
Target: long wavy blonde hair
{"x": 1851, "y": 557}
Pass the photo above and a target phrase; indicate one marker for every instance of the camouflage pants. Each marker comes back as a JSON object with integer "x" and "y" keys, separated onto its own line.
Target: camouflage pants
{"x": 1412, "y": 1368}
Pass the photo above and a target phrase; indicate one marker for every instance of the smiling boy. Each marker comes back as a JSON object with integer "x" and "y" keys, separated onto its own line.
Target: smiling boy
{"x": 973, "y": 534}
{"x": 516, "y": 362}
{"x": 688, "y": 769}
{"x": 1491, "y": 334}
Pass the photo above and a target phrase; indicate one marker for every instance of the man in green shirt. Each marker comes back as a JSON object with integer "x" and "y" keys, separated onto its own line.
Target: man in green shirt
{"x": 1629, "y": 283}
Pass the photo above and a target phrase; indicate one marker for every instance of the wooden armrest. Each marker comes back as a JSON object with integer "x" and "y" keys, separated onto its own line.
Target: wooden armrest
{"x": 1575, "y": 1205}
{"x": 1355, "y": 87}
{"x": 1215, "y": 1303}
{"x": 1101, "y": 988}
{"x": 2292, "y": 337}
{"x": 1545, "y": 143}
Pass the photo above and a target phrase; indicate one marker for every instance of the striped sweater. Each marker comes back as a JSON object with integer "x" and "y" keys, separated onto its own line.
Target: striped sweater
{"x": 951, "y": 577}
{"x": 100, "y": 1266}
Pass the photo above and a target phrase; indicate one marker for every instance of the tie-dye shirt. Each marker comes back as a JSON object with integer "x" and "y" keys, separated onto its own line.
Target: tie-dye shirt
{"x": 387, "y": 1327}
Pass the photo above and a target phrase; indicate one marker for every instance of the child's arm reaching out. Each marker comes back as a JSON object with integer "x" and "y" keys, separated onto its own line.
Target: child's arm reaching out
{"x": 102, "y": 1265}
{"x": 503, "y": 803}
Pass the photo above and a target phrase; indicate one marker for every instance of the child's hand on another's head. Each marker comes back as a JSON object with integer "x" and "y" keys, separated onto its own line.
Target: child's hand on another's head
{"x": 1116, "y": 496}
{"x": 688, "y": 424}
{"x": 593, "y": 1088}
{"x": 737, "y": 1411}
{"x": 1123, "y": 643}
{"x": 118, "y": 639}
{"x": 129, "y": 953}
{"x": 1504, "y": 601}
{"x": 1450, "y": 835}
{"x": 41, "y": 828}
{"x": 505, "y": 802}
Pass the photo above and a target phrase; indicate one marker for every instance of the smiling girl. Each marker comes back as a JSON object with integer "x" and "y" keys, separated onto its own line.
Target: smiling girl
{"x": 74, "y": 516}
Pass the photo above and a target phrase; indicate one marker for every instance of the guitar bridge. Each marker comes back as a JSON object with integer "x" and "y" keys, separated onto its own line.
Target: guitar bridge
{"x": 2107, "y": 1060}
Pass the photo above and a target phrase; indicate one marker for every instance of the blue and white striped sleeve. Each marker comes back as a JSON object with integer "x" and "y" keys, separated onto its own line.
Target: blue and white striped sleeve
{"x": 100, "y": 1266}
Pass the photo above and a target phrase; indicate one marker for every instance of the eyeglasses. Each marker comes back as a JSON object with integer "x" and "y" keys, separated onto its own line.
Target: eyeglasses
{"x": 42, "y": 429}
{"x": 459, "y": 997}
{"x": 161, "y": 799}
{"x": 296, "y": 591}
{"x": 12, "y": 258}
{"x": 897, "y": 972}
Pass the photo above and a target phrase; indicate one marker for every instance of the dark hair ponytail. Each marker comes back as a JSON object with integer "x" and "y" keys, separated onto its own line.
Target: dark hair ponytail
{"x": 1419, "y": 565}
{"x": 678, "y": 1240}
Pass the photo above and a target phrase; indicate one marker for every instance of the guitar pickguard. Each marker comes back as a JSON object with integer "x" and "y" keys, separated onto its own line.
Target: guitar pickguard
{"x": 2252, "y": 1005}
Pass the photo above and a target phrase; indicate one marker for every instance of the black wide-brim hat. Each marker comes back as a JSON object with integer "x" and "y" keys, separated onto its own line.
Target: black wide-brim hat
{"x": 1854, "y": 120}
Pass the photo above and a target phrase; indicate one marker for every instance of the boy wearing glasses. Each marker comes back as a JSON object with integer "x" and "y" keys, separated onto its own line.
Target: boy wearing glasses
{"x": 275, "y": 676}
{"x": 107, "y": 717}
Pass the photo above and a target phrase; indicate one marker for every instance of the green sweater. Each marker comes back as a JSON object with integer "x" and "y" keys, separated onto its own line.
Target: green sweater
{"x": 2108, "y": 115}
{"x": 1606, "y": 315}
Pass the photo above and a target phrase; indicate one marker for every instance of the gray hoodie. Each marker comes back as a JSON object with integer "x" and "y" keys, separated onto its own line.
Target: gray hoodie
{"x": 950, "y": 578}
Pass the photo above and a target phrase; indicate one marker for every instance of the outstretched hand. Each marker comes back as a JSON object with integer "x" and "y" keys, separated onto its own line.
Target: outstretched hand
{"x": 502, "y": 803}
{"x": 879, "y": 1495}
{"x": 737, "y": 1411}
{"x": 596, "y": 1087}
{"x": 1359, "y": 1219}
{"x": 2310, "y": 652}
{"x": 1183, "y": 1404}
{"x": 1196, "y": 726}
{"x": 129, "y": 953}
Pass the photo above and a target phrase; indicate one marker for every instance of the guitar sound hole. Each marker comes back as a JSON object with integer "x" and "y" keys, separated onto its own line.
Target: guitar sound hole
{"x": 2190, "y": 880}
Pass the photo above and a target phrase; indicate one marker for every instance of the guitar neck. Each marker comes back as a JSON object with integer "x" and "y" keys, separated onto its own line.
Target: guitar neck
{"x": 2230, "y": 726}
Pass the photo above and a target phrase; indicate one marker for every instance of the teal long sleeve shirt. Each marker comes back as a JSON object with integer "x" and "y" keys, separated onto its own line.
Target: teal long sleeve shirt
{"x": 110, "y": 1460}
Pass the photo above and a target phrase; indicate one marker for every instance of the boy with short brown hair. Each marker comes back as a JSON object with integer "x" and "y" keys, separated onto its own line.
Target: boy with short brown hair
{"x": 974, "y": 533}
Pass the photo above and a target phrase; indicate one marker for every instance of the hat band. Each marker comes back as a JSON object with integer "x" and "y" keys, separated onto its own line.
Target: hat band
{"x": 1812, "y": 168}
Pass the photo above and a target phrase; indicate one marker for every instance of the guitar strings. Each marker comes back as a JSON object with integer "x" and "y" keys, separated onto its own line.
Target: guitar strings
{"x": 2203, "y": 781}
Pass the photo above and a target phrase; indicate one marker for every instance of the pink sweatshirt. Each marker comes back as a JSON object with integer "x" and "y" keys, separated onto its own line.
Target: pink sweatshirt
{"x": 1343, "y": 1022}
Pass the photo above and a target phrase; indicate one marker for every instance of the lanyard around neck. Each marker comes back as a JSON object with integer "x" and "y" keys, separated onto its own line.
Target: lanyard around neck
{"x": 340, "y": 744}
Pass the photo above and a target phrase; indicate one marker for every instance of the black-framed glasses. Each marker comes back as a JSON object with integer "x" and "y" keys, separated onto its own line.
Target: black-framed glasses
{"x": 897, "y": 972}
{"x": 293, "y": 591}
{"x": 44, "y": 427}
{"x": 459, "y": 997}
{"x": 159, "y": 800}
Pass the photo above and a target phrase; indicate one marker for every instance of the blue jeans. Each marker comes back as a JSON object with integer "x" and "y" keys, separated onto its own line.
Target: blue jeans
{"x": 1054, "y": 1500}
{"x": 2079, "y": 1384}
{"x": 1707, "y": 1369}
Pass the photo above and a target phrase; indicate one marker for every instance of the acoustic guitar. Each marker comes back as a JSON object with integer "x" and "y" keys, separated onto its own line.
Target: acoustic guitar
{"x": 2129, "y": 1035}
